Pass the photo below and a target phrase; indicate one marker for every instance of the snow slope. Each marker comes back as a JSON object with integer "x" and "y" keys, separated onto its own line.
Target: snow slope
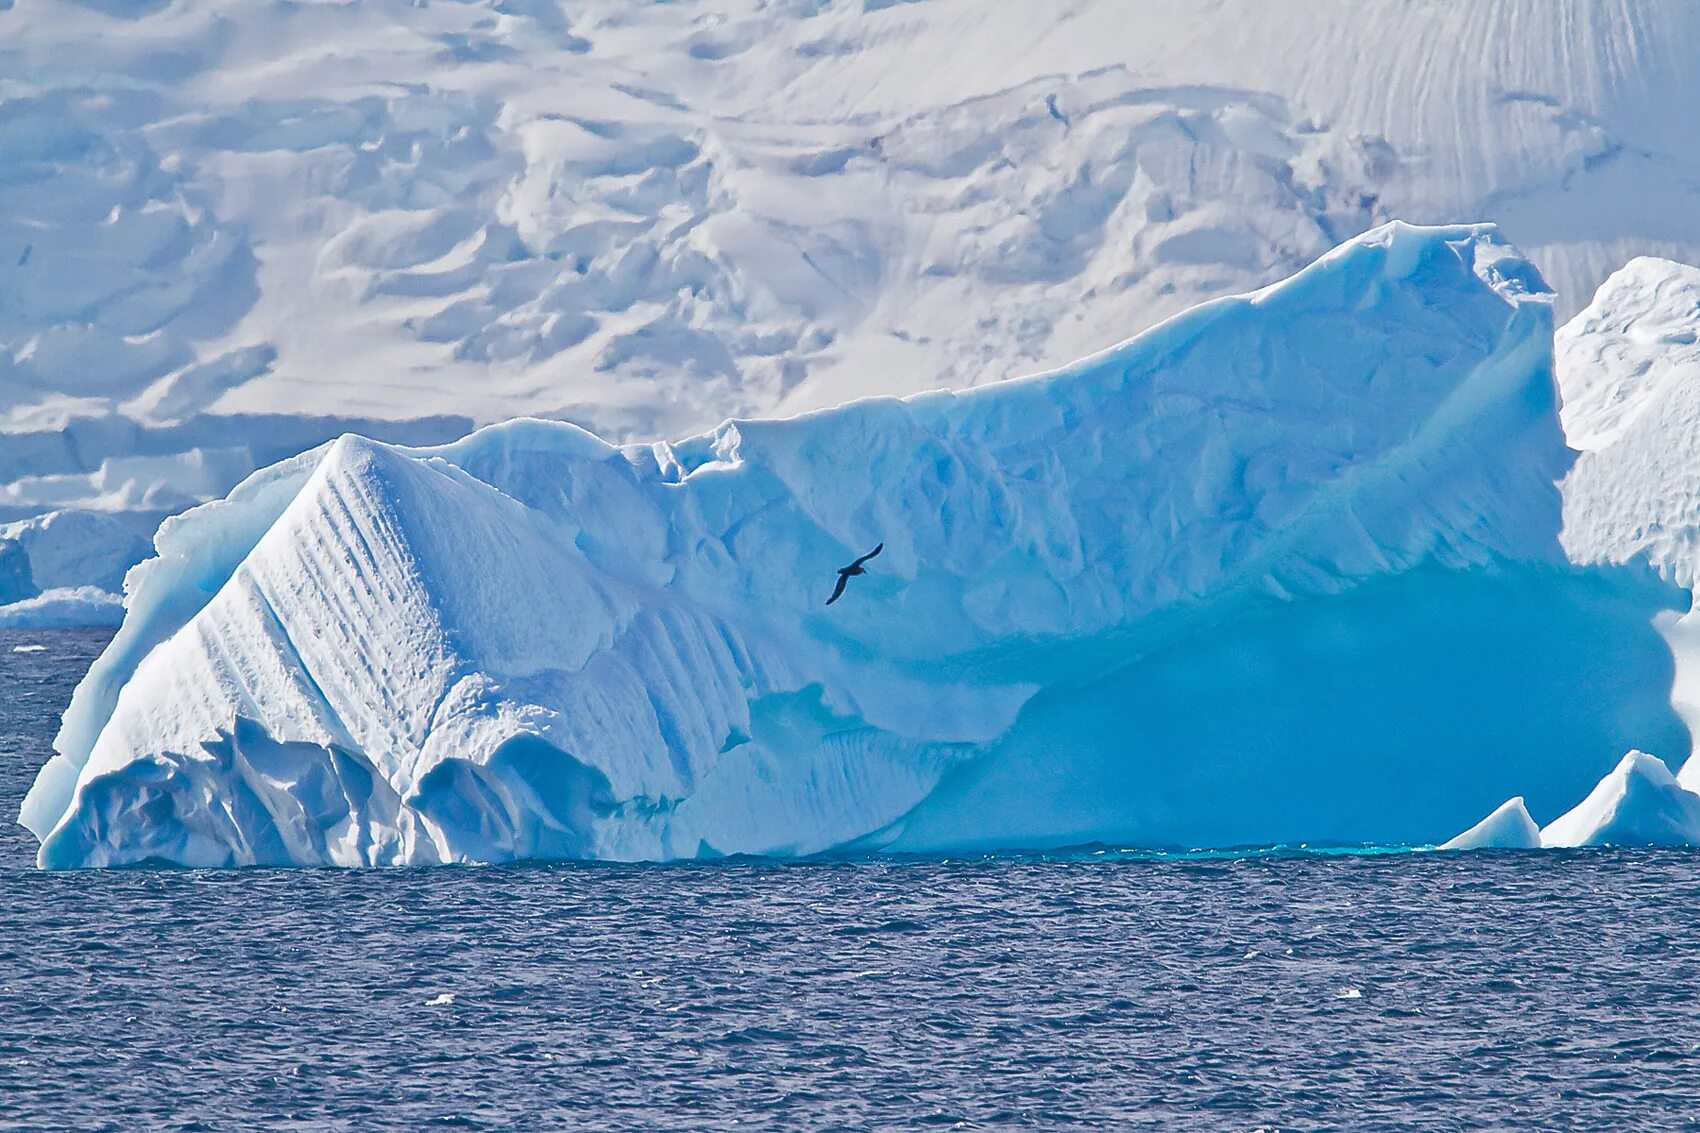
{"x": 1158, "y": 596}
{"x": 230, "y": 231}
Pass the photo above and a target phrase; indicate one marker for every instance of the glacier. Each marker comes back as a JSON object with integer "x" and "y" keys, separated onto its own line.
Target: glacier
{"x": 1285, "y": 567}
{"x": 231, "y": 230}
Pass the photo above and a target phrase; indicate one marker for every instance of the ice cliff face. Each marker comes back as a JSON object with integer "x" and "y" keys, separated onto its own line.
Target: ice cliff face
{"x": 1272, "y": 569}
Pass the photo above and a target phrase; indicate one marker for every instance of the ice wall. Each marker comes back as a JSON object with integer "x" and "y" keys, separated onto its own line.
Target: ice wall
{"x": 1334, "y": 499}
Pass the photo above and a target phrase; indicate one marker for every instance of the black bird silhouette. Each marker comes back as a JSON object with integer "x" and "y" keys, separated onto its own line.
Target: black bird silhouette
{"x": 844, "y": 573}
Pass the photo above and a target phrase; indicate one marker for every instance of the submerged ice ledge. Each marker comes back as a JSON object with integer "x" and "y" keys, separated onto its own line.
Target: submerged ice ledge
{"x": 1286, "y": 566}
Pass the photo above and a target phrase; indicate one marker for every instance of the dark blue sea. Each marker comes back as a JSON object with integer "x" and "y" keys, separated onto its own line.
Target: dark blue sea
{"x": 1083, "y": 990}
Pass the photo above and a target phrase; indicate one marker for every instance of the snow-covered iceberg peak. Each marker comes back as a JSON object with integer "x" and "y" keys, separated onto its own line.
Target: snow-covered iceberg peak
{"x": 531, "y": 643}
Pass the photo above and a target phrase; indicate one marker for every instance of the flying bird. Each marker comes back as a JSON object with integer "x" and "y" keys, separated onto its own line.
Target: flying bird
{"x": 844, "y": 573}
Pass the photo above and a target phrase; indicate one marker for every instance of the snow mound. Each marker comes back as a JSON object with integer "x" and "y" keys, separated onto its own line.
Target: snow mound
{"x": 531, "y": 643}
{"x": 1639, "y": 804}
{"x": 1509, "y": 827}
{"x": 66, "y": 606}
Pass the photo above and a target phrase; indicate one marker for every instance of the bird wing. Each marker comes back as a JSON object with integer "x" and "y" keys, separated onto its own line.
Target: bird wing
{"x": 839, "y": 589}
{"x": 867, "y": 556}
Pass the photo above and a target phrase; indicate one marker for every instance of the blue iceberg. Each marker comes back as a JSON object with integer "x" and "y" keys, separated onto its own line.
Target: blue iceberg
{"x": 1284, "y": 568}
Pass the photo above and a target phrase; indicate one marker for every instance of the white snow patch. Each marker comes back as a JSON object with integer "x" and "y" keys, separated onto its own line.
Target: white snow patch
{"x": 1629, "y": 371}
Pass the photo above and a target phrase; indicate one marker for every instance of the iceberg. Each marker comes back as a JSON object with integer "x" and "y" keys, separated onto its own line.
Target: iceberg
{"x": 1286, "y": 566}
{"x": 1639, "y": 804}
{"x": 76, "y": 548}
{"x": 63, "y": 607}
{"x": 65, "y": 568}
{"x": 1509, "y": 827}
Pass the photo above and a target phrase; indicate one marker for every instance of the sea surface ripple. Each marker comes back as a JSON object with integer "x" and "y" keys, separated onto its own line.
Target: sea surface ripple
{"x": 1089, "y": 989}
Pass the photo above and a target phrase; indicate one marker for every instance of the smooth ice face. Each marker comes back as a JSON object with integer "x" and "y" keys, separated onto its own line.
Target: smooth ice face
{"x": 1639, "y": 804}
{"x": 1509, "y": 827}
{"x": 1153, "y": 598}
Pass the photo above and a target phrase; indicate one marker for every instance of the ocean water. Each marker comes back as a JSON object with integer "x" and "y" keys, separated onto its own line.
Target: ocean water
{"x": 1093, "y": 989}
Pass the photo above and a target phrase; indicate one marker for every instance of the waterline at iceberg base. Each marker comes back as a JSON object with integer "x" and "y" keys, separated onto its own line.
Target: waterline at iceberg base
{"x": 1286, "y": 567}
